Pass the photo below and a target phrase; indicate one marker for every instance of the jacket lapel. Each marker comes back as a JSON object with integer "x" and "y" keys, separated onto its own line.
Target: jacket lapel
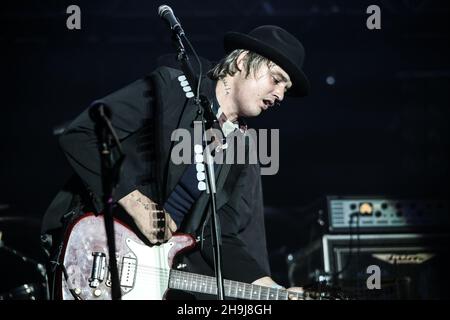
{"x": 170, "y": 118}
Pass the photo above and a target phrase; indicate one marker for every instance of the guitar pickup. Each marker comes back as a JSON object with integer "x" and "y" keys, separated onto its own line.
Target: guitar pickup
{"x": 128, "y": 272}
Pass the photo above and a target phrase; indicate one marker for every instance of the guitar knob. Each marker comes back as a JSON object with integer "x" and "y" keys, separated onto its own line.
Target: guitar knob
{"x": 97, "y": 293}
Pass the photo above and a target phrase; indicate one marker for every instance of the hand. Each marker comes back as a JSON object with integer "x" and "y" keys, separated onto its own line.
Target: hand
{"x": 154, "y": 222}
{"x": 268, "y": 282}
{"x": 293, "y": 296}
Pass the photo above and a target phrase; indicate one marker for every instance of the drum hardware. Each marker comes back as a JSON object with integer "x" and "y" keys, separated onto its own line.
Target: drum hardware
{"x": 26, "y": 288}
{"x": 29, "y": 291}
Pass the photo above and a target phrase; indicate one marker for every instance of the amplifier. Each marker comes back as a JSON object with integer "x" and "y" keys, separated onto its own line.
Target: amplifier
{"x": 378, "y": 214}
{"x": 412, "y": 266}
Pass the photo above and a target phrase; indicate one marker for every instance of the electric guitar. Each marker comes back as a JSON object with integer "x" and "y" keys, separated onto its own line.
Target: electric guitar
{"x": 145, "y": 271}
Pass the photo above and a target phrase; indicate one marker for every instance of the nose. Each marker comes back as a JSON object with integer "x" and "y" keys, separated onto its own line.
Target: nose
{"x": 279, "y": 93}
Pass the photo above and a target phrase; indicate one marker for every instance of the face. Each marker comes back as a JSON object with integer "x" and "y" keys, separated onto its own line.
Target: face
{"x": 259, "y": 92}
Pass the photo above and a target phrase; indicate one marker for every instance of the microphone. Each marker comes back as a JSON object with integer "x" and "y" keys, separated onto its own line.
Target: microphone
{"x": 166, "y": 13}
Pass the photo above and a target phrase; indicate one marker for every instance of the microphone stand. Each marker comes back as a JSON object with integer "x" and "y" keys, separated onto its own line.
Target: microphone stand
{"x": 208, "y": 120}
{"x": 110, "y": 176}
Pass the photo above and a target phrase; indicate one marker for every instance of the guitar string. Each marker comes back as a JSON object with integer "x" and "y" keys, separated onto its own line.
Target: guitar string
{"x": 209, "y": 287}
{"x": 164, "y": 276}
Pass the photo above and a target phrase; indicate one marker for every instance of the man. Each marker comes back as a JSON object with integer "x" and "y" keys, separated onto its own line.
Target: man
{"x": 260, "y": 68}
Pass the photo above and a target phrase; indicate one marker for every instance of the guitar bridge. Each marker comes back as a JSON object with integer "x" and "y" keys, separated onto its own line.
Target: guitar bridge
{"x": 98, "y": 269}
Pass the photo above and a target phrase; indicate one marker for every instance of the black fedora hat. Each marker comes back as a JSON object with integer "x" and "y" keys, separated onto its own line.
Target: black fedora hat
{"x": 277, "y": 45}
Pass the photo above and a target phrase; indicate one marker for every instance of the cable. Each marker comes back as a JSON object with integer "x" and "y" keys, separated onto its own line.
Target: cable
{"x": 200, "y": 73}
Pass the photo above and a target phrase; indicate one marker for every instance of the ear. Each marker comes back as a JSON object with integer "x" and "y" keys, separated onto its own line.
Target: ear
{"x": 240, "y": 60}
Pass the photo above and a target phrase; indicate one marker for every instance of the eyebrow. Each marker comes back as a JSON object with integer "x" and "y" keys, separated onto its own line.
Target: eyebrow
{"x": 282, "y": 77}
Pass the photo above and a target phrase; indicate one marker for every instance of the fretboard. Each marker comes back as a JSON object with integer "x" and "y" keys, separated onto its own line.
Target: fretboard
{"x": 187, "y": 281}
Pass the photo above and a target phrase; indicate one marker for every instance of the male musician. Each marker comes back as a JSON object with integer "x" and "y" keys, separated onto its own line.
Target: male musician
{"x": 259, "y": 69}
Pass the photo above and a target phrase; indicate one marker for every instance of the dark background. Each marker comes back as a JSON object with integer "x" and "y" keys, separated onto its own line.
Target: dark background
{"x": 380, "y": 129}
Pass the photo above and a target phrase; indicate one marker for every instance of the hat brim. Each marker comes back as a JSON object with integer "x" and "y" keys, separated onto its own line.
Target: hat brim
{"x": 300, "y": 83}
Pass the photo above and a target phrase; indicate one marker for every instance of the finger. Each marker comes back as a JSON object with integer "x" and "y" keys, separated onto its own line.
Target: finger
{"x": 155, "y": 237}
{"x": 168, "y": 235}
{"x": 172, "y": 225}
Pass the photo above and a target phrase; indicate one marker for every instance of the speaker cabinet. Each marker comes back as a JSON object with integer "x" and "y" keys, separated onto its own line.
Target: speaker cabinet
{"x": 406, "y": 266}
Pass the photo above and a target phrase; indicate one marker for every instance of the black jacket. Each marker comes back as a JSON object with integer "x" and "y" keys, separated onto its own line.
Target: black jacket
{"x": 144, "y": 115}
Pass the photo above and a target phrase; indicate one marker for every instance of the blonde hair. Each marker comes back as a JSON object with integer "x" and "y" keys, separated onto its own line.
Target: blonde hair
{"x": 228, "y": 65}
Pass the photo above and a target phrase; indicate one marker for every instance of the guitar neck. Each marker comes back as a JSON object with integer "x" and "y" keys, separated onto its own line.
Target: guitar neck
{"x": 187, "y": 281}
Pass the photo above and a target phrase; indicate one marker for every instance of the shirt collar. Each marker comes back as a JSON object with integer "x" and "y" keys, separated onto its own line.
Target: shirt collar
{"x": 227, "y": 126}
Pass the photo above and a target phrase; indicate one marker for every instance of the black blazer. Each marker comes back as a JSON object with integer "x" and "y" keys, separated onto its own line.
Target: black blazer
{"x": 144, "y": 115}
